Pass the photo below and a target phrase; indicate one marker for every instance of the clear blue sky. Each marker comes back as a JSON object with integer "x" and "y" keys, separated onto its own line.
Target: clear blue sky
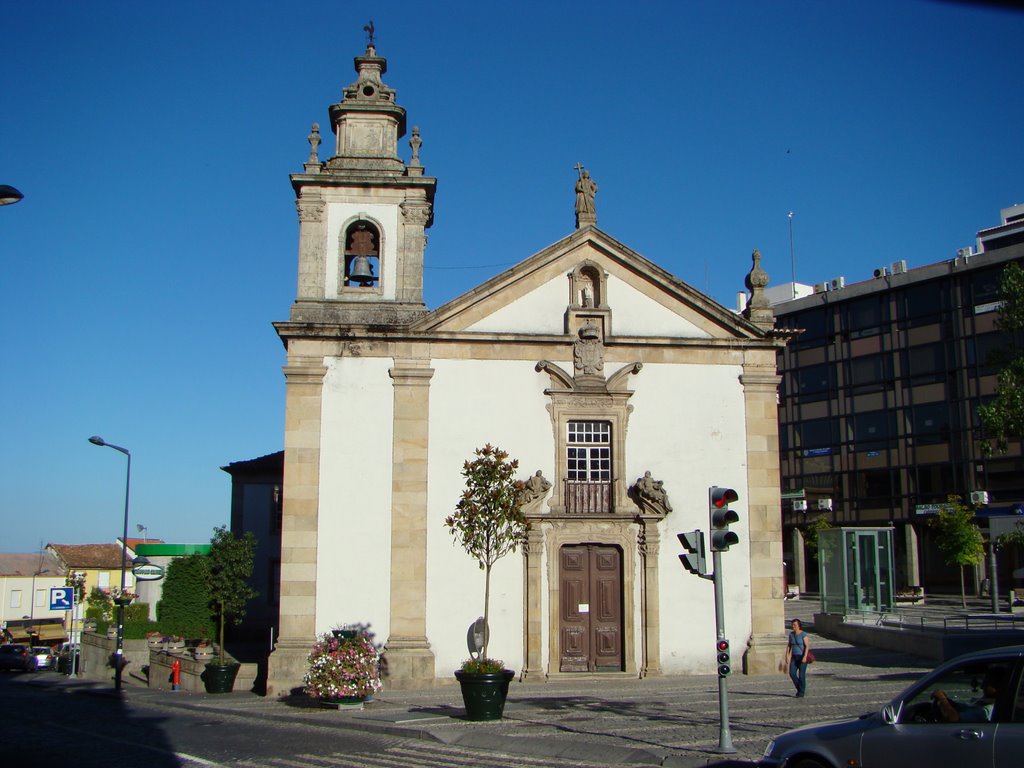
{"x": 157, "y": 240}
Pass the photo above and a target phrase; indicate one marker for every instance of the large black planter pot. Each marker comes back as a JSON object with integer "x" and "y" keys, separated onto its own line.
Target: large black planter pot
{"x": 484, "y": 693}
{"x": 220, "y": 678}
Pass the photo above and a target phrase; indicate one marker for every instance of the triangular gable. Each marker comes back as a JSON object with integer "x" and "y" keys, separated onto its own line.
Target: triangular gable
{"x": 532, "y": 296}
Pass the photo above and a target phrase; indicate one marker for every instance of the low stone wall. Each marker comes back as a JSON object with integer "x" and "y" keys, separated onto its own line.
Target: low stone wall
{"x": 97, "y": 650}
{"x": 929, "y": 644}
{"x": 191, "y": 673}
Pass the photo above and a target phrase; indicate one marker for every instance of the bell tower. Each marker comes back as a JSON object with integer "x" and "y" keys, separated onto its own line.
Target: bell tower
{"x": 363, "y": 212}
{"x": 363, "y": 215}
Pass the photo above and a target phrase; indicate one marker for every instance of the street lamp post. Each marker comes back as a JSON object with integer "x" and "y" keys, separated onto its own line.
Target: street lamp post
{"x": 119, "y": 653}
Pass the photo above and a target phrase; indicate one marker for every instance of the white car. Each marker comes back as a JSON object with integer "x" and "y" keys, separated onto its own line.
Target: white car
{"x": 968, "y": 712}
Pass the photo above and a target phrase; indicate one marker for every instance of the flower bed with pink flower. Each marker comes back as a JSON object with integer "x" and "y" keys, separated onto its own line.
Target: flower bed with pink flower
{"x": 342, "y": 667}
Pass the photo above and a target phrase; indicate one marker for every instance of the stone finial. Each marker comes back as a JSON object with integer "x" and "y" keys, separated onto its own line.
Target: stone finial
{"x": 758, "y": 309}
{"x": 314, "y": 144}
{"x": 415, "y": 142}
{"x": 586, "y": 191}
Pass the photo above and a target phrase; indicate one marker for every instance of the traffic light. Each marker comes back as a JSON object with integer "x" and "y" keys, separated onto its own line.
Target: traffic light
{"x": 722, "y": 649}
{"x": 694, "y": 560}
{"x": 721, "y": 517}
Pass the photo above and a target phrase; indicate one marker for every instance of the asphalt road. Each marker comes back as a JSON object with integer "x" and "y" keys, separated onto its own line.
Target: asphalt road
{"x": 43, "y": 727}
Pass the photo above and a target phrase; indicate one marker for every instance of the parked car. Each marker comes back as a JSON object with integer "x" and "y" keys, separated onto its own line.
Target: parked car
{"x": 16, "y": 656}
{"x": 64, "y": 658}
{"x": 44, "y": 657}
{"x": 968, "y": 711}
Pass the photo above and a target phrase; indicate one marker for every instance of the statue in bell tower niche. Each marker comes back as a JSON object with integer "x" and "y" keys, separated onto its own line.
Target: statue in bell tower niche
{"x": 586, "y": 190}
{"x": 588, "y": 351}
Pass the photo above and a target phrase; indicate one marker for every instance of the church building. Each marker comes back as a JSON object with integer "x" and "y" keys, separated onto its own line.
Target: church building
{"x": 623, "y": 392}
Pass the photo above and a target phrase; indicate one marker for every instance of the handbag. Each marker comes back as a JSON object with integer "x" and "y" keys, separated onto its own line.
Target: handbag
{"x": 809, "y": 657}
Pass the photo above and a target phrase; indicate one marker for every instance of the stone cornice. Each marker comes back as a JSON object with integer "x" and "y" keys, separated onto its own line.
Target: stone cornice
{"x": 291, "y": 329}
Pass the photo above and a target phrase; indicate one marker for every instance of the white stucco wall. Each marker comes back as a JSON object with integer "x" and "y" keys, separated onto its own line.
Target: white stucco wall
{"x": 473, "y": 402}
{"x": 532, "y": 313}
{"x": 634, "y": 314}
{"x": 354, "y": 543}
{"x": 688, "y": 429}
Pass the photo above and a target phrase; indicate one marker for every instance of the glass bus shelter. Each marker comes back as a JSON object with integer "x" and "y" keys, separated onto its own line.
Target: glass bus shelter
{"x": 855, "y": 568}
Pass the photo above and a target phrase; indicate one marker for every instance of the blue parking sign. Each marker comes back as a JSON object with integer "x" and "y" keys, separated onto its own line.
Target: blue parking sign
{"x": 60, "y": 598}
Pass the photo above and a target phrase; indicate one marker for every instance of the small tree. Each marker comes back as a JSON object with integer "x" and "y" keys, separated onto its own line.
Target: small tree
{"x": 813, "y": 530}
{"x": 229, "y": 566}
{"x": 99, "y": 605}
{"x": 958, "y": 538}
{"x": 1003, "y": 418}
{"x": 184, "y": 607}
{"x": 488, "y": 521}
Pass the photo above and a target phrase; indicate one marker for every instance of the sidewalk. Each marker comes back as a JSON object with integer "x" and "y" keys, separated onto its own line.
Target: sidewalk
{"x": 670, "y": 721}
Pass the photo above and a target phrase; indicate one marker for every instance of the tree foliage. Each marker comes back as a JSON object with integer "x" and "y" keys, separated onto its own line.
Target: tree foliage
{"x": 229, "y": 567}
{"x": 1014, "y": 538}
{"x": 1003, "y": 418}
{"x": 959, "y": 539}
{"x": 488, "y": 521}
{"x": 811, "y": 532}
{"x": 99, "y": 605}
{"x": 184, "y": 607}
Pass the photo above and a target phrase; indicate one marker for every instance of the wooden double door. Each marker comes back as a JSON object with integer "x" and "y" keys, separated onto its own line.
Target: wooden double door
{"x": 590, "y": 608}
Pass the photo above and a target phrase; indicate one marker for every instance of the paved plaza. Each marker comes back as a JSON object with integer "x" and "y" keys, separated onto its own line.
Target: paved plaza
{"x": 671, "y": 721}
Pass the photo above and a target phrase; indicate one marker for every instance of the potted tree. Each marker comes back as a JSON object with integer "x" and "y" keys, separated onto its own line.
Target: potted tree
{"x": 229, "y": 566}
{"x": 488, "y": 523}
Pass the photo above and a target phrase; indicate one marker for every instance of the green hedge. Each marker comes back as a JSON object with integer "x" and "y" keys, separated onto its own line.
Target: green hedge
{"x": 184, "y": 608}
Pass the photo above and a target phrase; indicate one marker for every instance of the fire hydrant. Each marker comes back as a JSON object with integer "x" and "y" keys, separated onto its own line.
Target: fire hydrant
{"x": 175, "y": 674}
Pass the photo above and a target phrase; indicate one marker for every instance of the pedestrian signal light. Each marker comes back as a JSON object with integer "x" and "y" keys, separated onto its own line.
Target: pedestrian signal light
{"x": 694, "y": 559}
{"x": 723, "y": 658}
{"x": 722, "y": 517}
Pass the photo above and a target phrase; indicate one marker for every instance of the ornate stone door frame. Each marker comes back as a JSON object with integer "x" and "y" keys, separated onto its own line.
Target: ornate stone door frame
{"x": 615, "y": 531}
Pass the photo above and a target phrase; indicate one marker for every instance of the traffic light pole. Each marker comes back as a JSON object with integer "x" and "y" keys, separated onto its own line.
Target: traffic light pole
{"x": 724, "y": 739}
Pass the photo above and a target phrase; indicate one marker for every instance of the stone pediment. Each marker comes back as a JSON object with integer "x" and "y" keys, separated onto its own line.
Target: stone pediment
{"x": 555, "y": 290}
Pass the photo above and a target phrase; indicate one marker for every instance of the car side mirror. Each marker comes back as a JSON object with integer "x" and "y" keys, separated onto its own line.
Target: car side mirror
{"x": 890, "y": 713}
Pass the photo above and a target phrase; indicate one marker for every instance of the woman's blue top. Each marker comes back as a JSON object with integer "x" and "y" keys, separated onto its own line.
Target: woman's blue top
{"x": 796, "y": 642}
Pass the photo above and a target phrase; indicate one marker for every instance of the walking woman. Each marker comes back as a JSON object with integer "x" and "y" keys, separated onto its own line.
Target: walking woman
{"x": 796, "y": 653}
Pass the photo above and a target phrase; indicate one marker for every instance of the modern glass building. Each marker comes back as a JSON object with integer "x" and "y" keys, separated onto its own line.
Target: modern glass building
{"x": 878, "y": 403}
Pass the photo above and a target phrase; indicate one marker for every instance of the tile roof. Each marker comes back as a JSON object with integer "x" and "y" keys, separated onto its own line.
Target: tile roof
{"x": 18, "y": 564}
{"x": 88, "y": 555}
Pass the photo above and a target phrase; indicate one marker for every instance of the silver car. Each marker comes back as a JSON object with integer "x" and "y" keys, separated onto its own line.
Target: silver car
{"x": 968, "y": 712}
{"x": 44, "y": 657}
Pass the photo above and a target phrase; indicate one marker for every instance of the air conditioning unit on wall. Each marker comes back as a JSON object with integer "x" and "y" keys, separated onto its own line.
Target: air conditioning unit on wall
{"x": 881, "y": 271}
{"x": 824, "y": 504}
{"x": 837, "y": 283}
{"x": 799, "y": 505}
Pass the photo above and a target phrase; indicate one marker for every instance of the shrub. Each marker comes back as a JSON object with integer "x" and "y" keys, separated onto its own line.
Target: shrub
{"x": 184, "y": 609}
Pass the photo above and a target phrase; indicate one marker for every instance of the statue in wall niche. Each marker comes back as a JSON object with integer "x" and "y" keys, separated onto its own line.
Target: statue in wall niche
{"x": 588, "y": 351}
{"x": 651, "y": 493}
{"x": 535, "y": 488}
